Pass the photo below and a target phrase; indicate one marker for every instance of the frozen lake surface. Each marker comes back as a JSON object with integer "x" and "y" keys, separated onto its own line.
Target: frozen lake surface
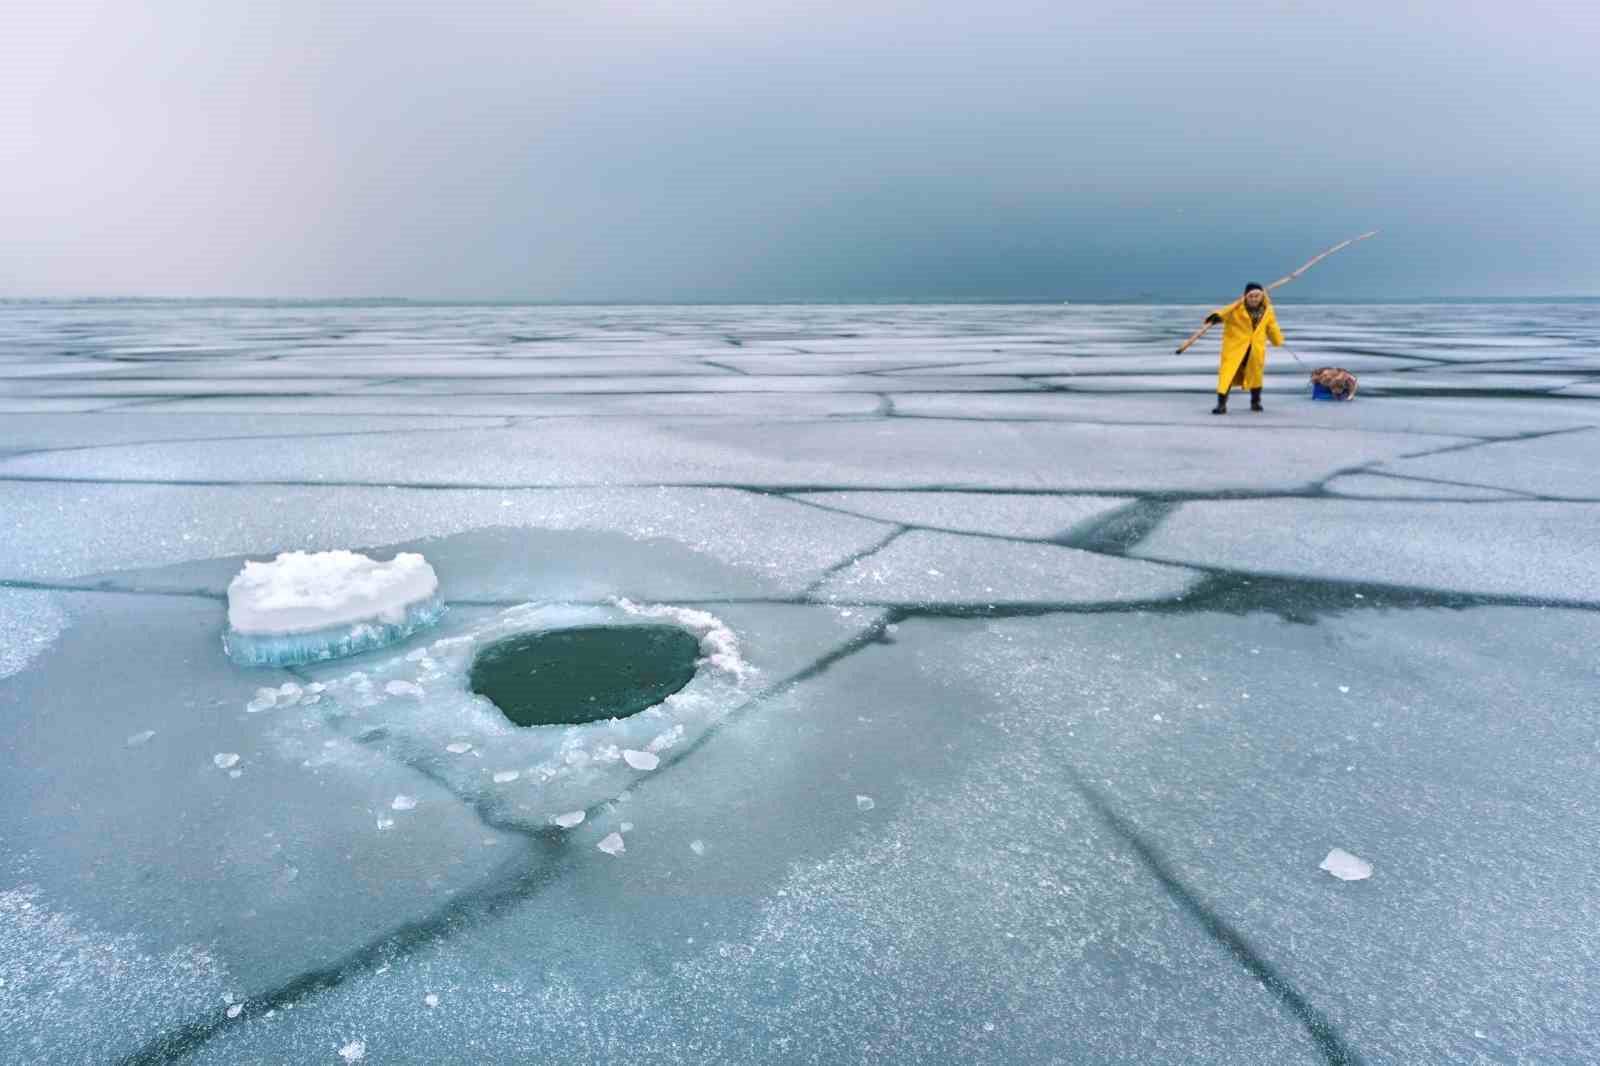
{"x": 1034, "y": 698}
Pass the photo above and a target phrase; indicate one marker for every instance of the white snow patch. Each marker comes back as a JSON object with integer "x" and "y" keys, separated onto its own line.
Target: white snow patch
{"x": 641, "y": 760}
{"x": 300, "y": 592}
{"x": 1345, "y": 866}
{"x": 612, "y": 844}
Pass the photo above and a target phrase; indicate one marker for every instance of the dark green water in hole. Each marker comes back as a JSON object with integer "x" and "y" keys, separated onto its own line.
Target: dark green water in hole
{"x": 584, "y": 674}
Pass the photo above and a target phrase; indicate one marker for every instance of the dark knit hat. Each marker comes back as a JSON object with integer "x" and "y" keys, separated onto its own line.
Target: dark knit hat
{"x": 1248, "y": 289}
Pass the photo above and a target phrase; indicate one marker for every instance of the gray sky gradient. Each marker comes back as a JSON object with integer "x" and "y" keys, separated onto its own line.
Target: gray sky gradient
{"x": 797, "y": 150}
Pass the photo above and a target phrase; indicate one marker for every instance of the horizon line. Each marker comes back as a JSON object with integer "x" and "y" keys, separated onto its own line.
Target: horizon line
{"x": 428, "y": 301}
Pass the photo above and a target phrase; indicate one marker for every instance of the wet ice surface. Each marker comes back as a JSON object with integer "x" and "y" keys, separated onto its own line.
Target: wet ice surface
{"x": 1033, "y": 698}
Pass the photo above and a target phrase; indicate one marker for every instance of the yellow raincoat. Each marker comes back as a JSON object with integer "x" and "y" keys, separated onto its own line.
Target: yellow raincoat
{"x": 1244, "y": 345}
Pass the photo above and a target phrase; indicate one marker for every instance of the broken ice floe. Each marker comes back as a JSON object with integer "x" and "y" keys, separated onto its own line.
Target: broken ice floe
{"x": 1345, "y": 866}
{"x": 612, "y": 844}
{"x": 140, "y": 738}
{"x": 309, "y": 606}
{"x": 225, "y": 760}
{"x": 568, "y": 820}
{"x": 404, "y": 803}
{"x": 865, "y": 803}
{"x": 354, "y": 1051}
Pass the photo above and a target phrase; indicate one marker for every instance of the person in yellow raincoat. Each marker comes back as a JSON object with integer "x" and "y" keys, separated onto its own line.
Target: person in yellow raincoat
{"x": 1248, "y": 325}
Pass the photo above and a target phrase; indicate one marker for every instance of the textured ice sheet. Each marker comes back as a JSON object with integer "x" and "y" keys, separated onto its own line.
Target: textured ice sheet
{"x": 926, "y": 567}
{"x": 1244, "y": 749}
{"x": 72, "y": 991}
{"x": 1528, "y": 548}
{"x": 1005, "y": 514}
{"x": 30, "y": 620}
{"x": 973, "y": 911}
{"x": 1450, "y": 415}
{"x": 125, "y": 526}
{"x": 149, "y": 803}
{"x": 1561, "y": 464}
{"x": 37, "y": 432}
{"x": 910, "y": 453}
{"x": 592, "y": 405}
{"x": 715, "y": 383}
{"x": 1406, "y": 488}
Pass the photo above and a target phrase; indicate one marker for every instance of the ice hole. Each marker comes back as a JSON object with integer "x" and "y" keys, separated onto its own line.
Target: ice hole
{"x": 584, "y": 674}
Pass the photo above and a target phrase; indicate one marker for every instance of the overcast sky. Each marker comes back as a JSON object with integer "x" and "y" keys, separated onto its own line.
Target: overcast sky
{"x": 986, "y": 149}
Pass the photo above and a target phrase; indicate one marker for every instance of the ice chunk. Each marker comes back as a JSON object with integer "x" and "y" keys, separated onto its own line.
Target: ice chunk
{"x": 568, "y": 820}
{"x": 431, "y": 999}
{"x": 308, "y": 606}
{"x": 225, "y": 760}
{"x": 235, "y": 1010}
{"x": 697, "y": 846}
{"x": 641, "y": 760}
{"x": 612, "y": 844}
{"x": 354, "y": 1051}
{"x": 403, "y": 688}
{"x": 460, "y": 747}
{"x": 502, "y": 776}
{"x": 1345, "y": 866}
{"x": 865, "y": 803}
{"x": 403, "y": 803}
{"x": 140, "y": 738}
{"x": 265, "y": 698}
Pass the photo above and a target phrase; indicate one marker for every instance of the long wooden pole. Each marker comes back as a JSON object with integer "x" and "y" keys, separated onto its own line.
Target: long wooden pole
{"x": 1313, "y": 261}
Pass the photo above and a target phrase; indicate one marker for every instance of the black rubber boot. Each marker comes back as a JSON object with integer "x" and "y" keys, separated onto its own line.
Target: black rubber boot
{"x": 1222, "y": 404}
{"x": 1255, "y": 400}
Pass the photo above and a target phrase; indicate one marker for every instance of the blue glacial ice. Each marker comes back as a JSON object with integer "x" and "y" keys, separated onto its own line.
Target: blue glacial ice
{"x": 306, "y": 607}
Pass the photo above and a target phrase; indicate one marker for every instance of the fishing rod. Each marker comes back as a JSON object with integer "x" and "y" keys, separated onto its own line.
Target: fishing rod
{"x": 1313, "y": 261}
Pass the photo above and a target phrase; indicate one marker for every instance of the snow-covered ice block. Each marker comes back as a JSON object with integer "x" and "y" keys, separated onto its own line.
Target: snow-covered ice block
{"x": 309, "y": 606}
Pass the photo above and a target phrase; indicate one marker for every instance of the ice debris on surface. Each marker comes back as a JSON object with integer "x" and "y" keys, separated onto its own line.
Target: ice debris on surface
{"x": 641, "y": 760}
{"x": 354, "y": 1051}
{"x": 503, "y": 776}
{"x": 561, "y": 767}
{"x": 225, "y": 760}
{"x": 403, "y": 803}
{"x": 459, "y": 747}
{"x": 568, "y": 820}
{"x": 311, "y": 606}
{"x": 612, "y": 844}
{"x": 865, "y": 803}
{"x": 1345, "y": 866}
{"x": 140, "y": 738}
